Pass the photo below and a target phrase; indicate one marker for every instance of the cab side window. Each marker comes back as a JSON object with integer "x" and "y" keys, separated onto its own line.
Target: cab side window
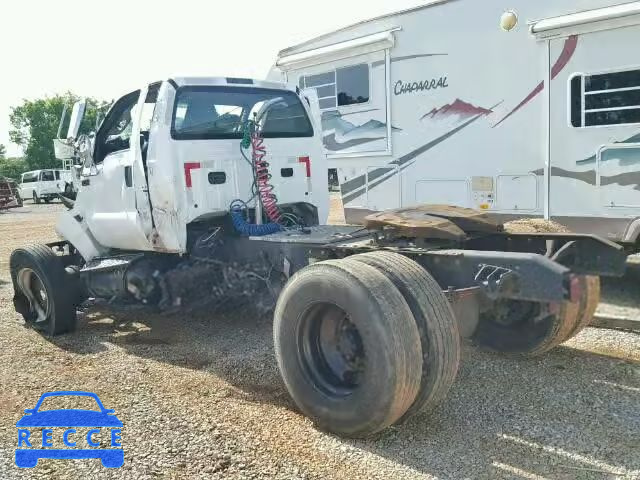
{"x": 115, "y": 132}
{"x": 29, "y": 177}
{"x": 47, "y": 176}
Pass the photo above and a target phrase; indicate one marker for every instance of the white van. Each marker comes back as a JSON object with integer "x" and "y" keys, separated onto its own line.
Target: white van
{"x": 42, "y": 184}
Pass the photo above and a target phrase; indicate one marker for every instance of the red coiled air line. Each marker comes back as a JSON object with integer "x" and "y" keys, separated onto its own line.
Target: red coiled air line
{"x": 263, "y": 177}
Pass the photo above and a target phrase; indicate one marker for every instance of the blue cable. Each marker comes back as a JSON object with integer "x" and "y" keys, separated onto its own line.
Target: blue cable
{"x": 243, "y": 227}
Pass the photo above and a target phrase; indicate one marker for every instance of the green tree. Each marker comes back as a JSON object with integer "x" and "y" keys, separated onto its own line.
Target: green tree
{"x": 12, "y": 167}
{"x": 35, "y": 125}
{"x": 3, "y": 151}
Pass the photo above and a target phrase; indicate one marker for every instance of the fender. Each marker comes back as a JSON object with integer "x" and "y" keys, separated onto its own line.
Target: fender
{"x": 72, "y": 227}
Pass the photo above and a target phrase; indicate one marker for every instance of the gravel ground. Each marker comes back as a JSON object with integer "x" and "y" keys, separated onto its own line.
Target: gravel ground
{"x": 200, "y": 397}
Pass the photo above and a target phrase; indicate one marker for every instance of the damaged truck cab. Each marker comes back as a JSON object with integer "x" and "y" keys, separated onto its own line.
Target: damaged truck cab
{"x": 167, "y": 156}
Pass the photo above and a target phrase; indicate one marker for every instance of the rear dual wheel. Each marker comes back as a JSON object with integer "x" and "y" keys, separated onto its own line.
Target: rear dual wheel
{"x": 525, "y": 328}
{"x": 589, "y": 287}
{"x": 531, "y": 328}
{"x": 355, "y": 346}
{"x": 436, "y": 322}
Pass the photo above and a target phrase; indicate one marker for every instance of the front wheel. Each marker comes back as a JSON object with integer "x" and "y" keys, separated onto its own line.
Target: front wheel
{"x": 36, "y": 198}
{"x": 44, "y": 294}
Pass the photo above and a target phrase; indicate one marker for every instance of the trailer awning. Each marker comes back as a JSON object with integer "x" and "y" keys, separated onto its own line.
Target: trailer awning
{"x": 350, "y": 48}
{"x": 590, "y": 20}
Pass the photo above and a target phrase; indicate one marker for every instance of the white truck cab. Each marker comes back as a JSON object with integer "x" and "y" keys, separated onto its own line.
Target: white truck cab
{"x": 42, "y": 185}
{"x": 168, "y": 156}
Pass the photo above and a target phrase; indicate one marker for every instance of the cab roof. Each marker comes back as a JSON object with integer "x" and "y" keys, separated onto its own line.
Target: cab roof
{"x": 227, "y": 81}
{"x": 43, "y": 170}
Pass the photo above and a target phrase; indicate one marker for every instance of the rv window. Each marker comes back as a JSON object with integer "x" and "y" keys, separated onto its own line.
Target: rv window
{"x": 327, "y": 103}
{"x": 605, "y": 99}
{"x": 57, "y": 174}
{"x": 319, "y": 80}
{"x": 326, "y": 91}
{"x": 576, "y": 101}
{"x": 341, "y": 87}
{"x": 353, "y": 85}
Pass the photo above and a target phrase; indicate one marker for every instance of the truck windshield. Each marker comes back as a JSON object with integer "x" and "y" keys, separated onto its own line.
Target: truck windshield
{"x": 210, "y": 113}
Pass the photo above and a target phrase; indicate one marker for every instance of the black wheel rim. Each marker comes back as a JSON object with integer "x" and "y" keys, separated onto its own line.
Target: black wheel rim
{"x": 515, "y": 326}
{"x": 330, "y": 349}
{"x": 515, "y": 313}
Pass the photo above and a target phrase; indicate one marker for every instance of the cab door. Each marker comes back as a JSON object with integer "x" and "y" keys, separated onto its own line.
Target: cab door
{"x": 165, "y": 175}
{"x": 114, "y": 190}
{"x": 26, "y": 185}
{"x": 47, "y": 184}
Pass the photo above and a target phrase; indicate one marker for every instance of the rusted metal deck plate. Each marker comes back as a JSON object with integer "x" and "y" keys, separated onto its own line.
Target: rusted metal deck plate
{"x": 317, "y": 235}
{"x": 433, "y": 221}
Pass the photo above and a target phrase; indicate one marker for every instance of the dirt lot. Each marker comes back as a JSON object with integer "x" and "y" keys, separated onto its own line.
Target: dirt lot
{"x": 200, "y": 397}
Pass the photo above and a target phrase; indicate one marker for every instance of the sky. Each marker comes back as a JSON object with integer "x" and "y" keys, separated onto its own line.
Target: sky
{"x": 104, "y": 49}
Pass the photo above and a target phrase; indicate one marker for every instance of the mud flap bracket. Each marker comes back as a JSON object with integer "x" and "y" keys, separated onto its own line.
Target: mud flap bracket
{"x": 496, "y": 281}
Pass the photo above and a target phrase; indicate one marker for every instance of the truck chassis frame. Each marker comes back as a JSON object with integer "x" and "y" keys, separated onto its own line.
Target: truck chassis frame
{"x": 368, "y": 320}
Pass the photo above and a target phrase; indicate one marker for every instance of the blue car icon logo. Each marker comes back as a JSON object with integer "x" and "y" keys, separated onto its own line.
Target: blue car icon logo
{"x": 99, "y": 421}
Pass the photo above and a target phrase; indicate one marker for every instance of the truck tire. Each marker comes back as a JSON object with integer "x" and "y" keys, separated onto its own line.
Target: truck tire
{"x": 588, "y": 304}
{"x": 590, "y": 285}
{"x": 525, "y": 328}
{"x": 436, "y": 322}
{"x": 347, "y": 347}
{"x": 36, "y": 198}
{"x": 43, "y": 296}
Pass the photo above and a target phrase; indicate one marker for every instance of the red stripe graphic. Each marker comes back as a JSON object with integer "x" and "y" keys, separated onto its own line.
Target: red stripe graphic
{"x": 307, "y": 162}
{"x": 569, "y": 49}
{"x": 187, "y": 172}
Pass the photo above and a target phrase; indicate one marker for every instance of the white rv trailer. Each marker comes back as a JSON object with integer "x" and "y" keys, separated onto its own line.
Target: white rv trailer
{"x": 449, "y": 103}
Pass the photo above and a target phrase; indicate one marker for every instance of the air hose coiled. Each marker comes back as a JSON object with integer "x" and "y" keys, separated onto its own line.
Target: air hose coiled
{"x": 239, "y": 213}
{"x": 263, "y": 178}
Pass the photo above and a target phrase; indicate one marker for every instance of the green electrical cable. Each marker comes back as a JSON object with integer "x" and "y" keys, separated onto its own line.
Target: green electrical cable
{"x": 246, "y": 134}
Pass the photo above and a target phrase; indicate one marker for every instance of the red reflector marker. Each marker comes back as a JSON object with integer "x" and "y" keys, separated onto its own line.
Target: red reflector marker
{"x": 187, "y": 172}
{"x": 307, "y": 162}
